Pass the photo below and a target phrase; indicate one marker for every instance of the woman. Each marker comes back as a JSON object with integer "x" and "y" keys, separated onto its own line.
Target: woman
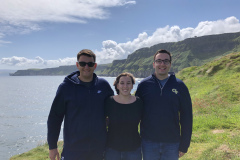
{"x": 124, "y": 112}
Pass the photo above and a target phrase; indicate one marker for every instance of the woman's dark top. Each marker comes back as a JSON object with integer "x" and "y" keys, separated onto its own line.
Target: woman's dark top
{"x": 123, "y": 124}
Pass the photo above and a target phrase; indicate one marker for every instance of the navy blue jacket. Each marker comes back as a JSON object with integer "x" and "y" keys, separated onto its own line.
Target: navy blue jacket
{"x": 166, "y": 110}
{"x": 82, "y": 109}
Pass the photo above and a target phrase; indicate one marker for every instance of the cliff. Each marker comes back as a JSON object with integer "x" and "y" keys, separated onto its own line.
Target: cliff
{"x": 189, "y": 52}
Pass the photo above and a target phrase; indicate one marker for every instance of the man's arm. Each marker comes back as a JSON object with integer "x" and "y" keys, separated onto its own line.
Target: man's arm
{"x": 55, "y": 119}
{"x": 53, "y": 153}
{"x": 110, "y": 91}
{"x": 138, "y": 91}
{"x": 185, "y": 119}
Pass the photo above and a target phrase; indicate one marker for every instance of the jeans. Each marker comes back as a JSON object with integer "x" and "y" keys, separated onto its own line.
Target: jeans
{"x": 112, "y": 154}
{"x": 159, "y": 151}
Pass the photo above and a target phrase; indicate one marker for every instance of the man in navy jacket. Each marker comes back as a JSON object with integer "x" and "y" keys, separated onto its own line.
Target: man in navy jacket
{"x": 80, "y": 102}
{"x": 166, "y": 127}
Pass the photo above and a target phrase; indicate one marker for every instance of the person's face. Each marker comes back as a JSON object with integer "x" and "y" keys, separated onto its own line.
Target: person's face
{"x": 125, "y": 85}
{"x": 86, "y": 72}
{"x": 161, "y": 68}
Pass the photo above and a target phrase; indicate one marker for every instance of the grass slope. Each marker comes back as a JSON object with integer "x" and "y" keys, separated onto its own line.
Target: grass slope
{"x": 215, "y": 92}
{"x": 38, "y": 153}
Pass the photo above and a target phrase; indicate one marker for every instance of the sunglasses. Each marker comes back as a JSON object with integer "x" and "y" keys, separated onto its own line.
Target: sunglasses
{"x": 83, "y": 64}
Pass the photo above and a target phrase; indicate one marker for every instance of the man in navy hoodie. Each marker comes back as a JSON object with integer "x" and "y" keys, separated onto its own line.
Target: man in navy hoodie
{"x": 80, "y": 102}
{"x": 166, "y": 126}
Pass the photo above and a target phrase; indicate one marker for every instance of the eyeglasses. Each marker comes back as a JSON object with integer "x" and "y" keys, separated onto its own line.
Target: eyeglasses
{"x": 83, "y": 64}
{"x": 165, "y": 61}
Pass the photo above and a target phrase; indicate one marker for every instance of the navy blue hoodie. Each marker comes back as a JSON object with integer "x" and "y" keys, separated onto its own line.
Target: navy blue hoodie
{"x": 166, "y": 110}
{"x": 82, "y": 109}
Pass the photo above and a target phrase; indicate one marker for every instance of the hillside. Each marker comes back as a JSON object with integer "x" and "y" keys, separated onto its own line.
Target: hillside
{"x": 62, "y": 70}
{"x": 189, "y": 52}
{"x": 215, "y": 93}
{"x": 221, "y": 76}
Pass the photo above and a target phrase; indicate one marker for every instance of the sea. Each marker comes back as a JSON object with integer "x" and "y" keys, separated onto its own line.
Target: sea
{"x": 25, "y": 103}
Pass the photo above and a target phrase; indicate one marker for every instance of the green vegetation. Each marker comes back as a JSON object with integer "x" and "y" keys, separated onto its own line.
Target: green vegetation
{"x": 38, "y": 153}
{"x": 189, "y": 52}
{"x": 215, "y": 92}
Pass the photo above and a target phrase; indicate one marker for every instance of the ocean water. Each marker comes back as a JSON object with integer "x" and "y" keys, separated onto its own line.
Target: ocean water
{"x": 25, "y": 103}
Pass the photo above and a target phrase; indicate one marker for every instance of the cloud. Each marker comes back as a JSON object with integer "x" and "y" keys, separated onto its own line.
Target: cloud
{"x": 25, "y": 63}
{"x": 25, "y": 16}
{"x": 112, "y": 50}
{"x": 17, "y": 11}
{"x": 2, "y": 41}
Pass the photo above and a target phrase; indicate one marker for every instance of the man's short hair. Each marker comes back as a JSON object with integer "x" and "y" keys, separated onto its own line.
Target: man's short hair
{"x": 86, "y": 52}
{"x": 162, "y": 51}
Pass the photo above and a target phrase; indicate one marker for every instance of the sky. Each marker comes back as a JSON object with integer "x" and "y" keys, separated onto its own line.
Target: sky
{"x": 50, "y": 33}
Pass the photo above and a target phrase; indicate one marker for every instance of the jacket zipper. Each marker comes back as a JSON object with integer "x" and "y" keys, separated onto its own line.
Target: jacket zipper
{"x": 163, "y": 85}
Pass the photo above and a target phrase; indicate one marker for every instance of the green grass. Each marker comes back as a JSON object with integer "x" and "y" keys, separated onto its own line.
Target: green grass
{"x": 38, "y": 153}
{"x": 215, "y": 92}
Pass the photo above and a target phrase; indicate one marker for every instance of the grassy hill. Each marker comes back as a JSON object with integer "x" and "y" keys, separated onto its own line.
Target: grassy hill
{"x": 189, "y": 52}
{"x": 62, "y": 70}
{"x": 215, "y": 92}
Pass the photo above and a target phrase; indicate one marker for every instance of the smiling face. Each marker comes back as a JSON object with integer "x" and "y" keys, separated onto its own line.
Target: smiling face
{"x": 86, "y": 72}
{"x": 125, "y": 85}
{"x": 161, "y": 69}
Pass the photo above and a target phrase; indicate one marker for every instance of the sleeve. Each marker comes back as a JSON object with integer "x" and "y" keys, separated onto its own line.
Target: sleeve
{"x": 106, "y": 107}
{"x": 138, "y": 92}
{"x": 139, "y": 95}
{"x": 106, "y": 101}
{"x": 55, "y": 118}
{"x": 110, "y": 91}
{"x": 140, "y": 103}
{"x": 141, "y": 107}
{"x": 186, "y": 119}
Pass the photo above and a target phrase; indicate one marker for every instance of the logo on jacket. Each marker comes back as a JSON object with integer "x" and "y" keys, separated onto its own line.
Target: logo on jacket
{"x": 175, "y": 91}
{"x": 99, "y": 91}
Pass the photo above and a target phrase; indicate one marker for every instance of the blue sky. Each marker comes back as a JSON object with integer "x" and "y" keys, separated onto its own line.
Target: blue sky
{"x": 45, "y": 34}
